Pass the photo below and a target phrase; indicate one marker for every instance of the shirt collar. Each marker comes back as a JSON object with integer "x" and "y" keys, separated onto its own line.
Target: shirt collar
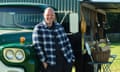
{"x": 44, "y": 23}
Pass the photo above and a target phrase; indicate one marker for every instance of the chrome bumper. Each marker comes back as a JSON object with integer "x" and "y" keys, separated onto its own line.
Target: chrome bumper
{"x": 4, "y": 68}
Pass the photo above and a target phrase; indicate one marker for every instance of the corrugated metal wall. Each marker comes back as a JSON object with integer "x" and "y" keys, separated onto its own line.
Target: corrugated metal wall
{"x": 61, "y": 5}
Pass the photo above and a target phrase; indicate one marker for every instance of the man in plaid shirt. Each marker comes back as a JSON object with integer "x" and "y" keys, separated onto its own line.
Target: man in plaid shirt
{"x": 52, "y": 44}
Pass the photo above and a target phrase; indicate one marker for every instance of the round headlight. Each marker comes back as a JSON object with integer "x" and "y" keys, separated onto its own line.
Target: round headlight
{"x": 20, "y": 55}
{"x": 9, "y": 54}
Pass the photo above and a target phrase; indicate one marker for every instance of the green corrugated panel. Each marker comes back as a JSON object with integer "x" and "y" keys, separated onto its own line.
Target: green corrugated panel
{"x": 65, "y": 3}
{"x": 58, "y": 6}
{"x": 61, "y": 5}
{"x": 56, "y": 3}
{"x": 52, "y": 3}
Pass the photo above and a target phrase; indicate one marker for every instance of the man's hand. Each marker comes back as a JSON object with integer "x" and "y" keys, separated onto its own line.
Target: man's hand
{"x": 45, "y": 65}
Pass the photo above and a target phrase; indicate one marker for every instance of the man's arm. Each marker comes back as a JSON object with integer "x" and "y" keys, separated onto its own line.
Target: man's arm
{"x": 37, "y": 42}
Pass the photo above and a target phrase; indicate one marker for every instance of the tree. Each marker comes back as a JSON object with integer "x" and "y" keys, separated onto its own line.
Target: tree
{"x": 114, "y": 22}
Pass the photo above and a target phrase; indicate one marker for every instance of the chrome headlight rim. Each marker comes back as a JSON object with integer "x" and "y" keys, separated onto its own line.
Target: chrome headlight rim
{"x": 15, "y": 51}
{"x": 9, "y": 54}
{"x": 20, "y": 55}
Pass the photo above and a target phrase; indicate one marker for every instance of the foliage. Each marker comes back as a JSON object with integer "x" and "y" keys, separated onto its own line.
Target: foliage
{"x": 114, "y": 22}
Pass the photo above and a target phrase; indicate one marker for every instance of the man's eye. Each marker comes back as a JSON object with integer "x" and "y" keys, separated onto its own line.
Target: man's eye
{"x": 50, "y": 15}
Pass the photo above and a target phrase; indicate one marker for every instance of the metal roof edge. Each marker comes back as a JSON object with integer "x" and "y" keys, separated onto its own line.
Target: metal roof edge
{"x": 21, "y": 3}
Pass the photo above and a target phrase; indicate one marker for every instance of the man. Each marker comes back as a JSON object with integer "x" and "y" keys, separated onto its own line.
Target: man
{"x": 52, "y": 44}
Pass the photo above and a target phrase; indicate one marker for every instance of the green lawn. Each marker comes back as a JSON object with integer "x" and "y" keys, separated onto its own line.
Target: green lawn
{"x": 115, "y": 49}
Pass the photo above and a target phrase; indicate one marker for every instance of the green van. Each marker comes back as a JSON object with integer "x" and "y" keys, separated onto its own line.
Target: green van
{"x": 16, "y": 23}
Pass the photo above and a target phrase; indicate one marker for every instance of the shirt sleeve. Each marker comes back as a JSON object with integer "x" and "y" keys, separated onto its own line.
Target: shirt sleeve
{"x": 67, "y": 43}
{"x": 37, "y": 42}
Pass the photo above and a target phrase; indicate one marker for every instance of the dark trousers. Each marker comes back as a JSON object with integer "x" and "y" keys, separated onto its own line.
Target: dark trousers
{"x": 60, "y": 67}
{"x": 61, "y": 64}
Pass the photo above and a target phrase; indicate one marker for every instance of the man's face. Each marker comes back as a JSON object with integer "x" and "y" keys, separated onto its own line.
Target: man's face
{"x": 49, "y": 16}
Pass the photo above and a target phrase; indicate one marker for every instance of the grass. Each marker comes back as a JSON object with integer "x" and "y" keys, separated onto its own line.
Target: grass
{"x": 73, "y": 69}
{"x": 115, "y": 49}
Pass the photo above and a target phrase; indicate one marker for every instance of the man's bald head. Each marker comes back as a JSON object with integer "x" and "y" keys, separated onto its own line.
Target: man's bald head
{"x": 49, "y": 16}
{"x": 49, "y": 9}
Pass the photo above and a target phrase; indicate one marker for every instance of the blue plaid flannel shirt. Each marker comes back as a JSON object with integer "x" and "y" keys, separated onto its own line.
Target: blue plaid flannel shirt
{"x": 43, "y": 40}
